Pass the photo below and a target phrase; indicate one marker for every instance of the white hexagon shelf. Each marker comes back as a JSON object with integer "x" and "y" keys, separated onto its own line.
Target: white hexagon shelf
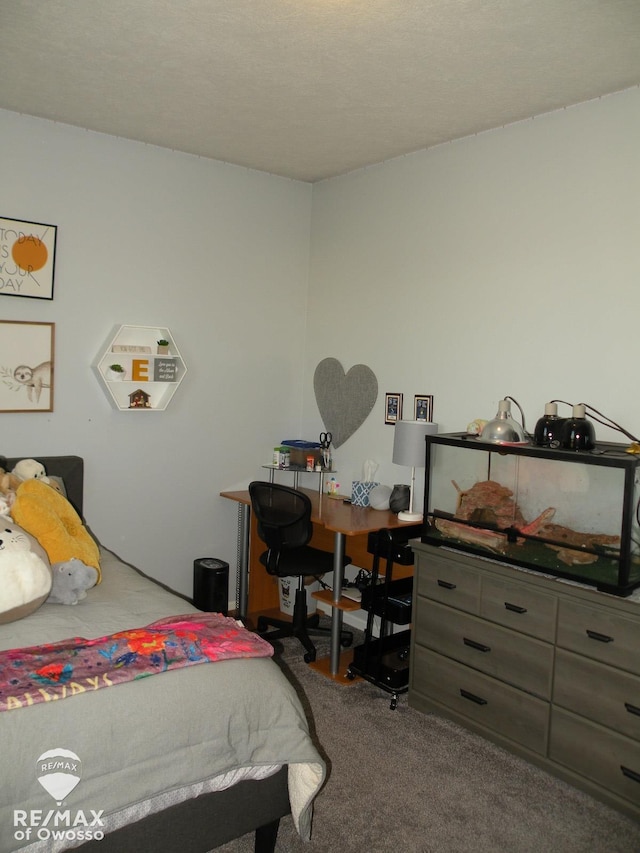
{"x": 150, "y": 368}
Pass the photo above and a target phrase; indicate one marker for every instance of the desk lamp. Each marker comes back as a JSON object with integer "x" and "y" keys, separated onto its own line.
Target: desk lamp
{"x": 409, "y": 449}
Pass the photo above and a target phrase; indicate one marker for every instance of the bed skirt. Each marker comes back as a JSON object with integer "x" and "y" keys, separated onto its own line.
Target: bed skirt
{"x": 201, "y": 824}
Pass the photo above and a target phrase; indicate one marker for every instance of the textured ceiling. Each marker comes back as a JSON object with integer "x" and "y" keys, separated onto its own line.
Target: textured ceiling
{"x": 309, "y": 89}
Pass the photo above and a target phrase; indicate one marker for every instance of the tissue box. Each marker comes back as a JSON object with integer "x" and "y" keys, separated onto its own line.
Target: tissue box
{"x": 360, "y": 492}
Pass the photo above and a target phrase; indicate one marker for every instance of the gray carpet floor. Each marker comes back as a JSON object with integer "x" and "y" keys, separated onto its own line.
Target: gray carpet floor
{"x": 417, "y": 783}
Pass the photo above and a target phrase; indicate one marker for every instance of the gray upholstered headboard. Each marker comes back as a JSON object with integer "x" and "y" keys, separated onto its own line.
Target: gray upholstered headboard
{"x": 69, "y": 468}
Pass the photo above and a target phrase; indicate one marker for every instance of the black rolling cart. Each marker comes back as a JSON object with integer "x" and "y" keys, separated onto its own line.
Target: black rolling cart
{"x": 384, "y": 660}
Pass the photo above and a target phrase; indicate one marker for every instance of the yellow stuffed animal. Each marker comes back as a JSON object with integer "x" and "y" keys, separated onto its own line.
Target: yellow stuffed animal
{"x": 47, "y": 515}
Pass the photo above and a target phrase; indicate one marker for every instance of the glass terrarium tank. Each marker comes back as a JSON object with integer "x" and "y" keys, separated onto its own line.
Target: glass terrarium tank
{"x": 570, "y": 514}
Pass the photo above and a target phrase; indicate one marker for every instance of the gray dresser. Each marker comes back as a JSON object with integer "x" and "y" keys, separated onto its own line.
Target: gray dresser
{"x": 548, "y": 670}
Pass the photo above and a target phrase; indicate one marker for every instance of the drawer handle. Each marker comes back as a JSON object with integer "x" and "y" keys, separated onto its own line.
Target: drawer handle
{"x": 514, "y": 608}
{"x": 474, "y": 645}
{"x": 473, "y": 698}
{"x": 630, "y": 774}
{"x": 632, "y": 709}
{"x": 601, "y": 638}
{"x": 446, "y": 584}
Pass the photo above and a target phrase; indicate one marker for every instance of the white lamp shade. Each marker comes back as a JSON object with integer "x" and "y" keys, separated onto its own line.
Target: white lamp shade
{"x": 409, "y": 449}
{"x": 409, "y": 444}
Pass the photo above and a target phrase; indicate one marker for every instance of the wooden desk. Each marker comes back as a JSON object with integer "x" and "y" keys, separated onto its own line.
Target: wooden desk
{"x": 333, "y": 522}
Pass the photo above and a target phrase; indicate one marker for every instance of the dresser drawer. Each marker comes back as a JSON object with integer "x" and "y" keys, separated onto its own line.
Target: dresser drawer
{"x": 598, "y": 692}
{"x": 523, "y": 661}
{"x": 600, "y": 633}
{"x": 449, "y": 581}
{"x": 605, "y": 757}
{"x": 508, "y": 712}
{"x": 519, "y": 606}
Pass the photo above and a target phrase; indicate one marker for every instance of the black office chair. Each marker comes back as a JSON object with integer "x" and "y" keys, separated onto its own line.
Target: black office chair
{"x": 284, "y": 525}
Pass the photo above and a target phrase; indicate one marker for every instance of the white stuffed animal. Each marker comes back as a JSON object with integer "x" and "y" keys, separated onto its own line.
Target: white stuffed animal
{"x": 25, "y": 572}
{"x": 30, "y": 469}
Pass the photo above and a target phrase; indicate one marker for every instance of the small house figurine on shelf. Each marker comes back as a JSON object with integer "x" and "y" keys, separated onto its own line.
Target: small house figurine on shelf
{"x": 139, "y": 400}
{"x": 115, "y": 372}
{"x": 163, "y": 347}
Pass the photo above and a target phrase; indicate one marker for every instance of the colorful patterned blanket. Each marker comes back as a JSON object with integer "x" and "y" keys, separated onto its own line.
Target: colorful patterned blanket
{"x": 75, "y": 666}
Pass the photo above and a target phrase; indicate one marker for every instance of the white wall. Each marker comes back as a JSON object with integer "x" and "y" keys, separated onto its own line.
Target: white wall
{"x": 506, "y": 263}
{"x": 527, "y": 236}
{"x": 152, "y": 237}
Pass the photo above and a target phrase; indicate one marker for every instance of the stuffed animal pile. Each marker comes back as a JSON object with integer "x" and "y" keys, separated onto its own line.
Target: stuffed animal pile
{"x": 46, "y": 553}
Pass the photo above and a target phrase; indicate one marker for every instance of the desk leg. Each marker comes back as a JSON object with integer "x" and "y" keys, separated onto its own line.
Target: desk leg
{"x": 336, "y": 613}
{"x": 244, "y": 524}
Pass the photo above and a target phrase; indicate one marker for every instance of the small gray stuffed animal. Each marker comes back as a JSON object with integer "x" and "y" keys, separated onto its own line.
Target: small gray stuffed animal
{"x": 71, "y": 580}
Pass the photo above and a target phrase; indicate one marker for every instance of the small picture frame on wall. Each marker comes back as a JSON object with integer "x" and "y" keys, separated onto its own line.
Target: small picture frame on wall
{"x": 392, "y": 408}
{"x": 28, "y": 255}
{"x": 26, "y": 366}
{"x": 423, "y": 407}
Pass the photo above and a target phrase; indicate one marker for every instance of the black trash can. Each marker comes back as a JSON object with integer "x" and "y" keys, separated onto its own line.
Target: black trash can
{"x": 211, "y": 585}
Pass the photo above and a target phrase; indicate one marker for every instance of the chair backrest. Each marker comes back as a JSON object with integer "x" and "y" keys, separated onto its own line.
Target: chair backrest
{"x": 284, "y": 519}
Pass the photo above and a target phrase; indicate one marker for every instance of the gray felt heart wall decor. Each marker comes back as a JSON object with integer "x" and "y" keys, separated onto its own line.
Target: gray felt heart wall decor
{"x": 344, "y": 400}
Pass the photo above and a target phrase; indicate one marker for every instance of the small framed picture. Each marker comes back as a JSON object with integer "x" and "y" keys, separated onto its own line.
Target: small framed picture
{"x": 29, "y": 252}
{"x": 392, "y": 408}
{"x": 423, "y": 407}
{"x": 26, "y": 366}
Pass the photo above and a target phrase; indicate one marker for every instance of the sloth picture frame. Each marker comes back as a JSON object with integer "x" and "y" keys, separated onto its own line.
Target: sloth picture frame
{"x": 26, "y": 366}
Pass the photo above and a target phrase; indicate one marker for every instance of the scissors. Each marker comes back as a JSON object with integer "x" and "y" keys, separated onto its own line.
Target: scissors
{"x": 325, "y": 440}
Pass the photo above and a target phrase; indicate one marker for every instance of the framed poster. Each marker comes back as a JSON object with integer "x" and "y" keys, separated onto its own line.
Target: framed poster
{"x": 27, "y": 258}
{"x": 392, "y": 408}
{"x": 423, "y": 407}
{"x": 26, "y": 366}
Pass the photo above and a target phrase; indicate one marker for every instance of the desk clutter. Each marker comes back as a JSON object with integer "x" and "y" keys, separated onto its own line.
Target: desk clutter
{"x": 294, "y": 453}
{"x": 299, "y": 457}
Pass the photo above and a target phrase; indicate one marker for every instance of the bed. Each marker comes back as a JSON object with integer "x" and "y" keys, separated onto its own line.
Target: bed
{"x": 185, "y": 760}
